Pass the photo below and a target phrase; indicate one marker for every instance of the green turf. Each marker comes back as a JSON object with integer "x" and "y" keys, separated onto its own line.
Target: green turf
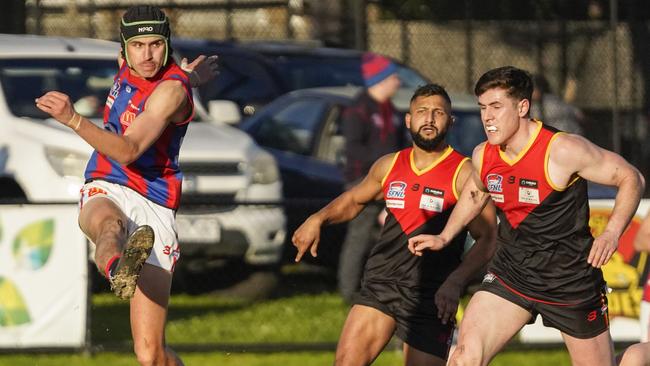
{"x": 210, "y": 319}
{"x": 528, "y": 358}
{"x": 306, "y": 314}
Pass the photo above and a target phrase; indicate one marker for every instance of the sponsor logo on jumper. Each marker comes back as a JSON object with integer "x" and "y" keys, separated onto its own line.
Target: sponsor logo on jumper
{"x": 527, "y": 183}
{"x": 127, "y": 117}
{"x": 115, "y": 89}
{"x": 497, "y": 197}
{"x": 145, "y": 29}
{"x": 529, "y": 195}
{"x": 415, "y": 187}
{"x": 133, "y": 107}
{"x": 511, "y": 179}
{"x": 494, "y": 183}
{"x": 434, "y": 192}
{"x": 396, "y": 189}
{"x": 395, "y": 203}
{"x": 128, "y": 89}
{"x": 430, "y": 202}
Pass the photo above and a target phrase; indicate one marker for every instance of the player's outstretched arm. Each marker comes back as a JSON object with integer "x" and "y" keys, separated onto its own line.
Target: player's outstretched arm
{"x": 573, "y": 154}
{"x": 483, "y": 229}
{"x": 473, "y": 198}
{"x": 343, "y": 208}
{"x": 167, "y": 102}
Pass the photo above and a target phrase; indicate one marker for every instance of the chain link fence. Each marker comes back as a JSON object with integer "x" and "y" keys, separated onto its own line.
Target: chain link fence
{"x": 211, "y": 19}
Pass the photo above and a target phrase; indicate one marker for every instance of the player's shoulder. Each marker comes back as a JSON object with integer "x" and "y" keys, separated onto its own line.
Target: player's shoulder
{"x": 386, "y": 161}
{"x": 170, "y": 88}
{"x": 568, "y": 145}
{"x": 477, "y": 153}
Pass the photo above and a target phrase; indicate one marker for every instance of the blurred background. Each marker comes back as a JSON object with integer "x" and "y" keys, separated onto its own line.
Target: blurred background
{"x": 594, "y": 53}
{"x": 288, "y": 68}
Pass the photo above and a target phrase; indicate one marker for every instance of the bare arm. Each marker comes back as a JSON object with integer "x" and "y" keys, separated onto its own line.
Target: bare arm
{"x": 166, "y": 104}
{"x": 472, "y": 200}
{"x": 573, "y": 154}
{"x": 483, "y": 230}
{"x": 343, "y": 208}
{"x": 642, "y": 238}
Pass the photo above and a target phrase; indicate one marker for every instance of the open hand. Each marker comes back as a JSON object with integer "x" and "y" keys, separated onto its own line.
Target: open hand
{"x": 307, "y": 237}
{"x": 201, "y": 70}
{"x": 446, "y": 300}
{"x": 602, "y": 249}
{"x": 419, "y": 243}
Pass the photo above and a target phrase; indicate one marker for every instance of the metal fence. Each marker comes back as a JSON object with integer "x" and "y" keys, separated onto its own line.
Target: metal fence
{"x": 212, "y": 19}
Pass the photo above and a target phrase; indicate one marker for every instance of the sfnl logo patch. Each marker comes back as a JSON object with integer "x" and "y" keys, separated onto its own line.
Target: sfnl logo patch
{"x": 494, "y": 184}
{"x": 396, "y": 194}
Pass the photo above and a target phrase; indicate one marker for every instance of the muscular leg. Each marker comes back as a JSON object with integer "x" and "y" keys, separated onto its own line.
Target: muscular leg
{"x": 635, "y": 355}
{"x": 148, "y": 316}
{"x": 488, "y": 324}
{"x": 595, "y": 351}
{"x": 365, "y": 334}
{"x": 415, "y": 357}
{"x": 105, "y": 224}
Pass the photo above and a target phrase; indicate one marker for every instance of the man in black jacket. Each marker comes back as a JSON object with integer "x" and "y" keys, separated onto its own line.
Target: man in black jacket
{"x": 372, "y": 129}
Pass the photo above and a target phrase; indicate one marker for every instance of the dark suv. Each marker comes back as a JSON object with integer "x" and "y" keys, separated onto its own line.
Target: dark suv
{"x": 304, "y": 66}
{"x": 246, "y": 77}
{"x": 255, "y": 73}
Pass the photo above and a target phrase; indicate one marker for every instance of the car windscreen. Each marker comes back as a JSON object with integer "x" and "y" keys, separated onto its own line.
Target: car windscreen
{"x": 309, "y": 71}
{"x": 244, "y": 78}
{"x": 86, "y": 82}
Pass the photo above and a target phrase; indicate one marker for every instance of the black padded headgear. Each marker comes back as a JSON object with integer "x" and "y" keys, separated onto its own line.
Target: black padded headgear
{"x": 143, "y": 21}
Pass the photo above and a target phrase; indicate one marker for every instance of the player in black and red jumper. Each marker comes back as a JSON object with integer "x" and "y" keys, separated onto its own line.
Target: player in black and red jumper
{"x": 414, "y": 297}
{"x": 547, "y": 263}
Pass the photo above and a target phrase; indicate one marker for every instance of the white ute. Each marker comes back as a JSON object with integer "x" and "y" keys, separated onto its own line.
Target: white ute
{"x": 227, "y": 211}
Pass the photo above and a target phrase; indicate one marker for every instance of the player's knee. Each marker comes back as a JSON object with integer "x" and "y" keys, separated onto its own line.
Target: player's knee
{"x": 346, "y": 357}
{"x": 149, "y": 354}
{"x": 466, "y": 356}
{"x": 638, "y": 354}
{"x": 112, "y": 225}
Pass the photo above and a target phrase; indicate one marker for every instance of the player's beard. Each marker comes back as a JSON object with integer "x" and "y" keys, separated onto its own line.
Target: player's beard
{"x": 428, "y": 144}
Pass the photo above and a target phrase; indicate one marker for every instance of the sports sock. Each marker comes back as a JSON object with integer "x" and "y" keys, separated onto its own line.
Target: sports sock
{"x": 111, "y": 266}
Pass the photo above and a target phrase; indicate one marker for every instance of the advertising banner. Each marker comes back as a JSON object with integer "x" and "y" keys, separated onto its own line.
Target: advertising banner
{"x": 43, "y": 277}
{"x": 625, "y": 274}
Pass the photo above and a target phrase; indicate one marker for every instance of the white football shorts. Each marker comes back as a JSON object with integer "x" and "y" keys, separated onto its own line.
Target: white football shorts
{"x": 141, "y": 211}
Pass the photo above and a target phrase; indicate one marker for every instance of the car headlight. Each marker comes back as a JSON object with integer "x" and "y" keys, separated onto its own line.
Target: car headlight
{"x": 264, "y": 169}
{"x": 66, "y": 163}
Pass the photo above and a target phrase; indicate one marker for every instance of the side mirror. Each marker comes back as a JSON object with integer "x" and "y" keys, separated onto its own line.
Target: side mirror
{"x": 224, "y": 111}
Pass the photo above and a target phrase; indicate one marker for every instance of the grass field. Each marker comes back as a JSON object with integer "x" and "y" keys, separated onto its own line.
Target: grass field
{"x": 225, "y": 330}
{"x": 528, "y": 358}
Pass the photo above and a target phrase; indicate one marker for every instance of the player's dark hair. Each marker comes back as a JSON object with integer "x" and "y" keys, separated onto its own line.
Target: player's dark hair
{"x": 516, "y": 82}
{"x": 429, "y": 90}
